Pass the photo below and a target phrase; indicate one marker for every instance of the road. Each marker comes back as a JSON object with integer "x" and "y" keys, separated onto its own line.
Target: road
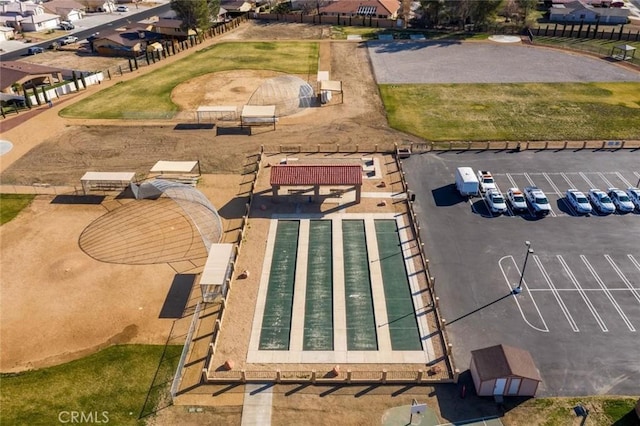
{"x": 84, "y": 28}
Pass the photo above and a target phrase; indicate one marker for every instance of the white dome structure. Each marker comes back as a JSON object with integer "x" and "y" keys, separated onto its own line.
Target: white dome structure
{"x": 169, "y": 222}
{"x": 290, "y": 95}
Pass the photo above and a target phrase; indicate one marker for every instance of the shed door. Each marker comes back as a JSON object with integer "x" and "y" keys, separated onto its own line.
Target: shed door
{"x": 499, "y": 387}
{"x": 513, "y": 386}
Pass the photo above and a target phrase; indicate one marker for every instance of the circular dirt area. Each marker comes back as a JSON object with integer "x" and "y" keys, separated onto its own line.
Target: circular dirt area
{"x": 221, "y": 88}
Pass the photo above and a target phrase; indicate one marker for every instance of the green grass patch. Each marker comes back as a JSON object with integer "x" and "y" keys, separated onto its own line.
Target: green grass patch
{"x": 479, "y": 112}
{"x": 12, "y": 204}
{"x": 119, "y": 382}
{"x": 620, "y": 411}
{"x": 149, "y": 96}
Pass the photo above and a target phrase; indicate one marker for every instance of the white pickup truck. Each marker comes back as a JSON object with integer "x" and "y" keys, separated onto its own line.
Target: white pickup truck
{"x": 537, "y": 200}
{"x": 486, "y": 180}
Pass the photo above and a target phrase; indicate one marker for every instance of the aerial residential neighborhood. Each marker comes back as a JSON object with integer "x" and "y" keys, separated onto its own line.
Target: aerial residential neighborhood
{"x": 314, "y": 212}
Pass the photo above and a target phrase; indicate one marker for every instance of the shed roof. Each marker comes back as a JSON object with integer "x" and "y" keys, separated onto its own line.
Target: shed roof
{"x": 504, "y": 361}
{"x": 174, "y": 166}
{"x": 316, "y": 175}
{"x": 258, "y": 111}
{"x": 108, "y": 176}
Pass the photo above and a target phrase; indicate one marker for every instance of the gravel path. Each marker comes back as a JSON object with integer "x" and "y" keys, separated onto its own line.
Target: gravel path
{"x": 486, "y": 62}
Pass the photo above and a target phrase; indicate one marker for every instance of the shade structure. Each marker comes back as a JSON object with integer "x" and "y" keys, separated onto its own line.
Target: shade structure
{"x": 213, "y": 281}
{"x": 174, "y": 167}
{"x": 106, "y": 181}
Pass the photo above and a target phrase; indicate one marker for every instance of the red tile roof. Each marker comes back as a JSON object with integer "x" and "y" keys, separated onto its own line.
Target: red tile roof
{"x": 316, "y": 175}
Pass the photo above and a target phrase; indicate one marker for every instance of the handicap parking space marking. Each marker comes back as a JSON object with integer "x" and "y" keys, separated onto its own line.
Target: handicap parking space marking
{"x": 554, "y": 291}
{"x": 623, "y": 277}
{"x": 607, "y": 293}
{"x": 510, "y": 259}
{"x": 582, "y": 293}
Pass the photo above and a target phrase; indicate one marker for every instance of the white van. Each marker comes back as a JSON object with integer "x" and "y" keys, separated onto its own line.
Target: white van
{"x": 467, "y": 182}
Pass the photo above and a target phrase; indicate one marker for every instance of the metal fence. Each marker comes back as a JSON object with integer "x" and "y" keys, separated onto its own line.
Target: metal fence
{"x": 177, "y": 378}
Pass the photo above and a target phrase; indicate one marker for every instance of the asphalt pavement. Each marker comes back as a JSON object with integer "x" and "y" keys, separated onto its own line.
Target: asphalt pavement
{"x": 579, "y": 311}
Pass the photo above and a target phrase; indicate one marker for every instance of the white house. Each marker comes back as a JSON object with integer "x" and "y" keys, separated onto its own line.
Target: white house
{"x": 7, "y": 33}
{"x": 41, "y": 22}
{"x": 577, "y": 12}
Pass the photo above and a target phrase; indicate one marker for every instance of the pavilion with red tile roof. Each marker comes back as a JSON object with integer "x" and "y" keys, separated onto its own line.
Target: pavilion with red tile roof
{"x": 306, "y": 175}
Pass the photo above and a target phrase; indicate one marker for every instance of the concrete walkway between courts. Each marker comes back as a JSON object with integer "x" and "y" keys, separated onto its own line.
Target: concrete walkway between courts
{"x": 258, "y": 400}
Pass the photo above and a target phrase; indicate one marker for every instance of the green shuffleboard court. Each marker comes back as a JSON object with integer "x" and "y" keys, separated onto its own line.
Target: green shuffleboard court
{"x": 318, "y": 311}
{"x": 276, "y": 320}
{"x": 361, "y": 326}
{"x": 403, "y": 327}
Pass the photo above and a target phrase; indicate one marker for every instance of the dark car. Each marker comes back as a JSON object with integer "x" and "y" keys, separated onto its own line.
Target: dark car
{"x": 34, "y": 50}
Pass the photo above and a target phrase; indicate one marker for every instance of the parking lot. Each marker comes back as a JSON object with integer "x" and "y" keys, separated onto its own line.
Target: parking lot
{"x": 555, "y": 185}
{"x": 579, "y": 309}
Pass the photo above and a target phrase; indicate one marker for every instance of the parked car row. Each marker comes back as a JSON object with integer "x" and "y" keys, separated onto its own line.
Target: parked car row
{"x": 611, "y": 201}
{"x": 533, "y": 199}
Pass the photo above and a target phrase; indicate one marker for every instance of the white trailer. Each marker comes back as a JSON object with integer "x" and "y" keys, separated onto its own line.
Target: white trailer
{"x": 467, "y": 182}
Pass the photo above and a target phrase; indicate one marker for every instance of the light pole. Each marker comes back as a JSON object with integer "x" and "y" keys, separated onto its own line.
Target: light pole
{"x": 518, "y": 289}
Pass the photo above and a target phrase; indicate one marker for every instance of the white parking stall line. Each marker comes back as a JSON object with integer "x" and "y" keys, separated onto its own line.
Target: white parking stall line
{"x": 571, "y": 185}
{"x": 634, "y": 261}
{"x": 586, "y": 300}
{"x": 555, "y": 293}
{"x": 526, "y": 175}
{"x": 607, "y": 293}
{"x": 553, "y": 185}
{"x": 624, "y": 181}
{"x": 606, "y": 181}
{"x": 623, "y": 277}
{"x": 524, "y": 284}
{"x": 511, "y": 213}
{"x": 583, "y": 176}
{"x": 513, "y": 182}
{"x": 584, "y": 289}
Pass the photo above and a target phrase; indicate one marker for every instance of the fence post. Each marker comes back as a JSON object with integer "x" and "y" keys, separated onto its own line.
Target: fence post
{"x": 243, "y": 376}
{"x": 436, "y": 301}
{"x": 348, "y": 376}
{"x": 313, "y": 376}
{"x": 456, "y": 375}
{"x": 384, "y": 377}
{"x": 278, "y": 376}
{"x": 420, "y": 375}
{"x": 443, "y": 323}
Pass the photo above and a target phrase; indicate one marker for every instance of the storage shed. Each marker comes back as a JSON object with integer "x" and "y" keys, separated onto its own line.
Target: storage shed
{"x": 504, "y": 370}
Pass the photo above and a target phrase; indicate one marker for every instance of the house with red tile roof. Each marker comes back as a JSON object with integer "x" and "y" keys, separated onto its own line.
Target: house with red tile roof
{"x": 383, "y": 9}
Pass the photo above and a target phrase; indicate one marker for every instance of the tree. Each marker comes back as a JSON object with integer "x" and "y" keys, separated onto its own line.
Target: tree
{"x": 196, "y": 14}
{"x": 526, "y": 6}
